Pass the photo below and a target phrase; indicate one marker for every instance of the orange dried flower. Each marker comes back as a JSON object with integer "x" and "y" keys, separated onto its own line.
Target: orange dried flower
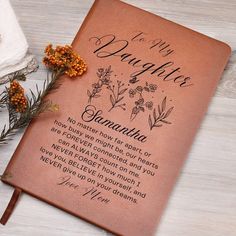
{"x": 63, "y": 58}
{"x": 17, "y": 97}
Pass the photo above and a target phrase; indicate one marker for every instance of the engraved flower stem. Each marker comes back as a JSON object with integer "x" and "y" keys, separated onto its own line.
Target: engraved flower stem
{"x": 161, "y": 117}
{"x": 116, "y": 98}
{"x": 95, "y": 92}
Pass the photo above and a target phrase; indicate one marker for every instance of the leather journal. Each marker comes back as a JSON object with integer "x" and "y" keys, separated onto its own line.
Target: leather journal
{"x": 113, "y": 152}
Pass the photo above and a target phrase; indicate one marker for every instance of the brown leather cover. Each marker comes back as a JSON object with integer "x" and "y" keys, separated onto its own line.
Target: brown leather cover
{"x": 112, "y": 154}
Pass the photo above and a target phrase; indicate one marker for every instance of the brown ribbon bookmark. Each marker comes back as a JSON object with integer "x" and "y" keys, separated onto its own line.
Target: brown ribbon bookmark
{"x": 10, "y": 207}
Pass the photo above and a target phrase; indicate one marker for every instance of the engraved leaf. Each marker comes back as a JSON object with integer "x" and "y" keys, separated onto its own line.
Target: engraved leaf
{"x": 99, "y": 75}
{"x": 162, "y": 116}
{"x": 159, "y": 109}
{"x": 119, "y": 99}
{"x": 109, "y": 68}
{"x": 141, "y": 109}
{"x": 168, "y": 112}
{"x": 165, "y": 121}
{"x": 122, "y": 91}
{"x": 150, "y": 121}
{"x": 135, "y": 110}
{"x": 154, "y": 114}
{"x": 163, "y": 105}
{"x": 88, "y": 92}
{"x": 112, "y": 100}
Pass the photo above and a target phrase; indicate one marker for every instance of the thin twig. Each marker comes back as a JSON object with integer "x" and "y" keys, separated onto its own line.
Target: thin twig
{"x": 36, "y": 105}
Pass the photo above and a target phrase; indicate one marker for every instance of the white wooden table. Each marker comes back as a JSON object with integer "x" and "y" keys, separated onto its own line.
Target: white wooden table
{"x": 203, "y": 202}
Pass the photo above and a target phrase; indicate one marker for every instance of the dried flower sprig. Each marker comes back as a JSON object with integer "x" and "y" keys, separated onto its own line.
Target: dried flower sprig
{"x": 20, "y": 116}
{"x": 4, "y": 96}
{"x": 63, "y": 58}
{"x": 17, "y": 97}
{"x": 21, "y": 108}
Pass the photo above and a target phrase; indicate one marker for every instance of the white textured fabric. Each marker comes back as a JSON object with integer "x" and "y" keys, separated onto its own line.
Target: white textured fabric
{"x": 13, "y": 44}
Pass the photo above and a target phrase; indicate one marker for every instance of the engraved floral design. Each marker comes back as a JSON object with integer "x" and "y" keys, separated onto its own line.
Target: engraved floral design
{"x": 104, "y": 79}
{"x": 140, "y": 104}
{"x": 118, "y": 92}
{"x": 64, "y": 59}
{"x": 117, "y": 95}
{"x": 149, "y": 105}
{"x": 158, "y": 117}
